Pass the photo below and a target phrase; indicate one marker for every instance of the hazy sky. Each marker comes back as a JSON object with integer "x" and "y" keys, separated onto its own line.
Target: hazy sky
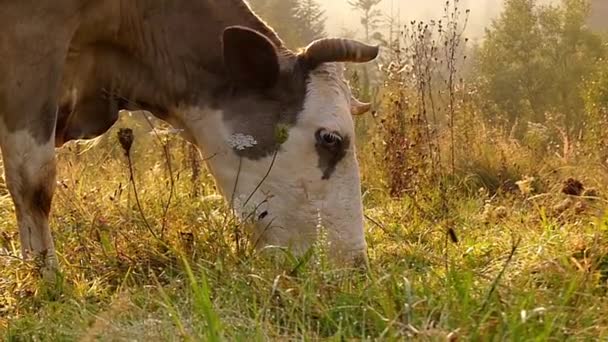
{"x": 340, "y": 15}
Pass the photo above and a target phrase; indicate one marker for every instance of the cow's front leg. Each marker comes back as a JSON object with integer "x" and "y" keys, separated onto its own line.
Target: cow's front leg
{"x": 35, "y": 39}
{"x": 29, "y": 166}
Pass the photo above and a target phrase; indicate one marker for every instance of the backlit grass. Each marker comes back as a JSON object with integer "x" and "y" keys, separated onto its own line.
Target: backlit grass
{"x": 522, "y": 269}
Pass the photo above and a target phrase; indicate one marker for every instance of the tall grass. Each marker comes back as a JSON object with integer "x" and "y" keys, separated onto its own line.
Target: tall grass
{"x": 121, "y": 283}
{"x": 149, "y": 252}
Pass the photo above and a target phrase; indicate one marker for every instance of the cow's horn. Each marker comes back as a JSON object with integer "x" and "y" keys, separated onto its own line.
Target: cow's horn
{"x": 357, "y": 107}
{"x": 339, "y": 50}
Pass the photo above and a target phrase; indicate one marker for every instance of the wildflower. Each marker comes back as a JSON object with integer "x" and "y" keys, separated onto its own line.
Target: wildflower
{"x": 525, "y": 185}
{"x": 240, "y": 141}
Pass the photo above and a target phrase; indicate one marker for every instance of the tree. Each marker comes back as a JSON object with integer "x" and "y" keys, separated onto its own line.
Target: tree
{"x": 595, "y": 95}
{"x": 298, "y": 22}
{"x": 281, "y": 15}
{"x": 371, "y": 17}
{"x": 311, "y": 20}
{"x": 534, "y": 59}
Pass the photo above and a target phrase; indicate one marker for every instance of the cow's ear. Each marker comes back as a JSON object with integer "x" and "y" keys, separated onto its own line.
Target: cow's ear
{"x": 250, "y": 58}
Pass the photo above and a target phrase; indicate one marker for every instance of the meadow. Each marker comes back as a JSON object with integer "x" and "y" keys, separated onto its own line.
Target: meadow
{"x": 525, "y": 266}
{"x": 479, "y": 226}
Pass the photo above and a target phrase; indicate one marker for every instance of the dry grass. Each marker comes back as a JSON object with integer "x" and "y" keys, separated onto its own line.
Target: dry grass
{"x": 120, "y": 283}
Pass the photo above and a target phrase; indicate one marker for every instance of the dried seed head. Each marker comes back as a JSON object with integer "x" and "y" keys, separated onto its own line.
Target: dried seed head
{"x": 572, "y": 187}
{"x": 125, "y": 137}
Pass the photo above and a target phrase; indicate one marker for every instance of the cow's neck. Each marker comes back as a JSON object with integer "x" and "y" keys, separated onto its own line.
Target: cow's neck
{"x": 153, "y": 55}
{"x": 181, "y": 43}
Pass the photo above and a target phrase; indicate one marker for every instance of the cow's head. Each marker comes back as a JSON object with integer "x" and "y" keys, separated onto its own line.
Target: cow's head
{"x": 280, "y": 141}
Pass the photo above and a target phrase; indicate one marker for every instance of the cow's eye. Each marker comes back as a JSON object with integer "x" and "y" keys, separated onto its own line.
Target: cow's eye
{"x": 327, "y": 138}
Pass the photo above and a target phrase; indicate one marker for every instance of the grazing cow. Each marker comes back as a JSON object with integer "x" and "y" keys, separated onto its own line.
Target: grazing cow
{"x": 275, "y": 125}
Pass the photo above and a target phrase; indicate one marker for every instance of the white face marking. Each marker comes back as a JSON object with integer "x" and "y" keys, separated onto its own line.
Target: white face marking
{"x": 293, "y": 198}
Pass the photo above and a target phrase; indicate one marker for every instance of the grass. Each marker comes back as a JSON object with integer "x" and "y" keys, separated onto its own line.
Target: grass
{"x": 521, "y": 270}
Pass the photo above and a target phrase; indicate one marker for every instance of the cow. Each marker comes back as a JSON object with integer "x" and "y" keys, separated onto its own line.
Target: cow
{"x": 274, "y": 125}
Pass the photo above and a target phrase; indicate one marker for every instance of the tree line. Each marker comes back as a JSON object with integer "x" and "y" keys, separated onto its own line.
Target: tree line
{"x": 537, "y": 63}
{"x": 298, "y": 21}
{"x": 301, "y": 21}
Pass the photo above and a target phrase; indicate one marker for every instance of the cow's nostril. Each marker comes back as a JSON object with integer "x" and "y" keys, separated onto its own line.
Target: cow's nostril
{"x": 263, "y": 215}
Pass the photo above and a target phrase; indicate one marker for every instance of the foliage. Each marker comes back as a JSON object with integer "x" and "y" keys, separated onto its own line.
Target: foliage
{"x": 371, "y": 17}
{"x": 298, "y": 22}
{"x": 595, "y": 95}
{"x": 421, "y": 98}
{"x": 311, "y": 19}
{"x": 533, "y": 62}
{"x": 529, "y": 259}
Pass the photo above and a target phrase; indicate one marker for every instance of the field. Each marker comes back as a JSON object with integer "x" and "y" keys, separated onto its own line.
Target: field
{"x": 485, "y": 189}
{"x": 523, "y": 267}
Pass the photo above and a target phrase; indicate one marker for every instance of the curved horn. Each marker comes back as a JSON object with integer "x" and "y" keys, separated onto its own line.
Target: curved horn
{"x": 339, "y": 50}
{"x": 357, "y": 107}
